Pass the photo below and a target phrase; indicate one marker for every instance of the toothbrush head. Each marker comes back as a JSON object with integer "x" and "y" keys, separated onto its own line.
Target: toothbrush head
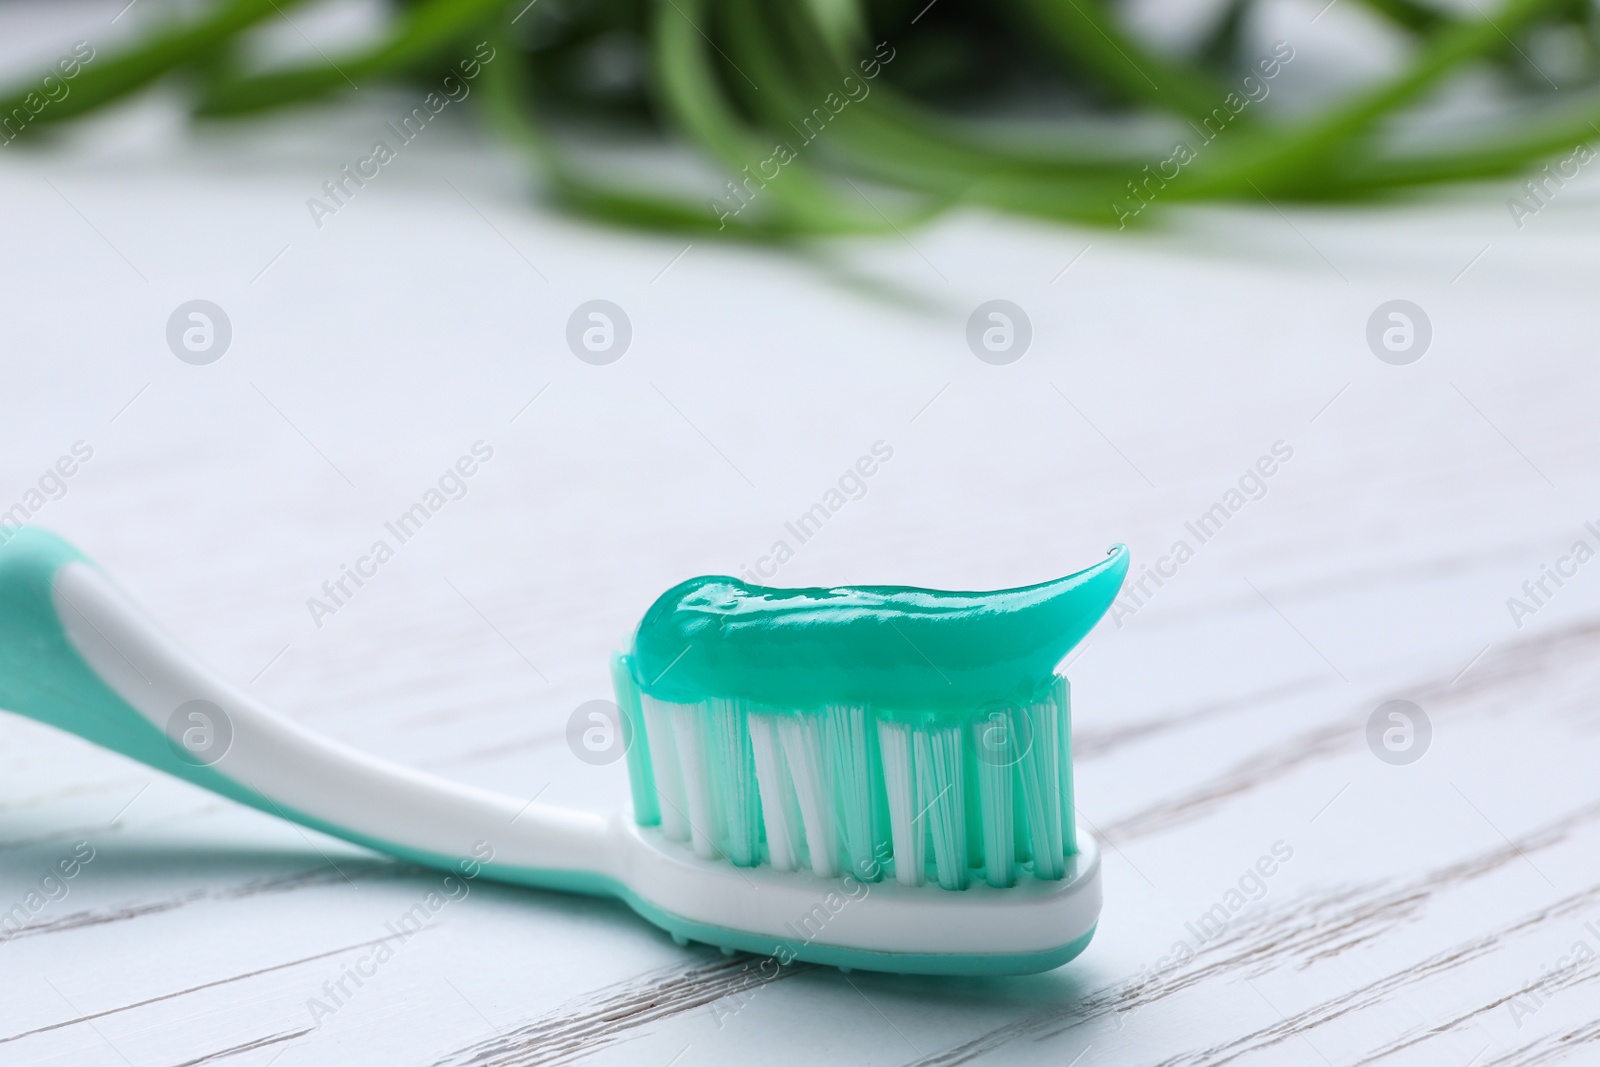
{"x": 872, "y": 777}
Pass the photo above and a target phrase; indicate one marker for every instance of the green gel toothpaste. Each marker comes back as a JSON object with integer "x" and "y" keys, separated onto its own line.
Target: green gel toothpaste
{"x": 890, "y": 647}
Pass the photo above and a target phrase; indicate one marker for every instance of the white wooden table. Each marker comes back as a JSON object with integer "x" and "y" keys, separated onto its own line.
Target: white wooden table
{"x": 1446, "y": 911}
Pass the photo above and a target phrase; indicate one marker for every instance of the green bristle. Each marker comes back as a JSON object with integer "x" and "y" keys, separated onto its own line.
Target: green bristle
{"x": 994, "y": 746}
{"x": 941, "y": 781}
{"x": 641, "y": 776}
{"x": 973, "y": 801}
{"x": 1040, "y": 776}
{"x": 883, "y": 844}
{"x": 1069, "y": 812}
{"x": 1020, "y": 831}
{"x": 840, "y": 789}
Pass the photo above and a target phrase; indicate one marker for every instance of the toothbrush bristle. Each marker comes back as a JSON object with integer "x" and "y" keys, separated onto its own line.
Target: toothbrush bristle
{"x": 849, "y": 789}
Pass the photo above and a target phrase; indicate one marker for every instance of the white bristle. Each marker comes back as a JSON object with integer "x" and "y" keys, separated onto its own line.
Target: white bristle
{"x": 907, "y": 831}
{"x": 842, "y": 790}
{"x": 689, "y": 729}
{"x": 779, "y": 812}
{"x": 802, "y": 744}
{"x": 664, "y": 766}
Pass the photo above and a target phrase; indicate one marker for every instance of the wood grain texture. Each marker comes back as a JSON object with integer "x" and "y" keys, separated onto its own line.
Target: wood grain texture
{"x": 1442, "y": 912}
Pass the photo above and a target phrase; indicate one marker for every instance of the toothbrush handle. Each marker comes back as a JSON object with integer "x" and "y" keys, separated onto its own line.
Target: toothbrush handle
{"x": 76, "y": 654}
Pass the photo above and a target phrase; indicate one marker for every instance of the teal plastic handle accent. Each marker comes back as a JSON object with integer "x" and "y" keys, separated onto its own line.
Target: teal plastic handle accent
{"x": 42, "y": 675}
{"x": 889, "y": 647}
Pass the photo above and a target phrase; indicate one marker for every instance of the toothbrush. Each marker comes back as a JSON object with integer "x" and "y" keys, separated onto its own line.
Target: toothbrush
{"x": 871, "y": 777}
